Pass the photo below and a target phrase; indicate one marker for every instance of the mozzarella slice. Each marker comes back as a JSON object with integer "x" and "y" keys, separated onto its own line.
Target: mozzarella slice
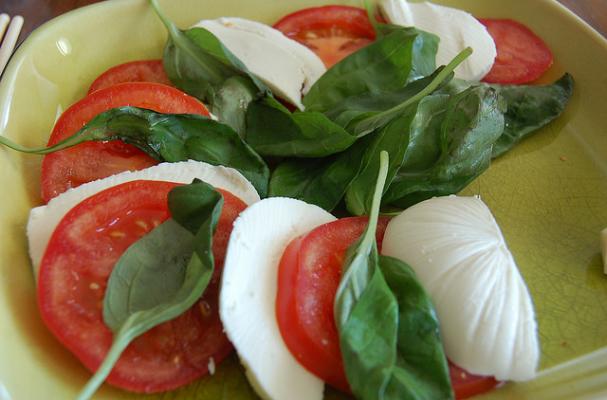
{"x": 248, "y": 295}
{"x": 456, "y": 29}
{"x": 44, "y": 219}
{"x": 459, "y": 254}
{"x": 286, "y": 66}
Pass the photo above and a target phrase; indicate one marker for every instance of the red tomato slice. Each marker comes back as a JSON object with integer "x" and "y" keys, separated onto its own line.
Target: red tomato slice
{"x": 95, "y": 160}
{"x": 73, "y": 276}
{"x": 134, "y": 71}
{"x": 522, "y": 57}
{"x": 466, "y": 385}
{"x": 308, "y": 277}
{"x": 332, "y": 32}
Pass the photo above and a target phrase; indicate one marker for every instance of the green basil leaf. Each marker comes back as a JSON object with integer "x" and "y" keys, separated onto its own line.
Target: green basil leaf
{"x": 387, "y": 64}
{"x": 369, "y": 104}
{"x": 368, "y": 122}
{"x": 393, "y": 138}
{"x": 172, "y": 138}
{"x": 273, "y": 131}
{"x": 159, "y": 277}
{"x": 389, "y": 333}
{"x": 199, "y": 64}
{"x": 454, "y": 149}
{"x": 319, "y": 181}
{"x": 530, "y": 108}
{"x": 422, "y": 370}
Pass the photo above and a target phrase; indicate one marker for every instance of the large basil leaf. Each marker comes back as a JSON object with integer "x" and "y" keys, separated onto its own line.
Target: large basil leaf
{"x": 394, "y": 138}
{"x": 528, "y": 107}
{"x": 387, "y": 64}
{"x": 199, "y": 64}
{"x": 319, "y": 181}
{"x": 170, "y": 137}
{"x": 273, "y": 131}
{"x": 454, "y": 149}
{"x": 163, "y": 274}
{"x": 389, "y": 334}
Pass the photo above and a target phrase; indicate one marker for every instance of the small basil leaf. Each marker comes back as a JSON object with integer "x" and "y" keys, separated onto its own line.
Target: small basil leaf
{"x": 274, "y": 131}
{"x": 454, "y": 149}
{"x": 231, "y": 102}
{"x": 143, "y": 269}
{"x": 323, "y": 181}
{"x": 387, "y": 64}
{"x": 155, "y": 280}
{"x": 529, "y": 108}
{"x": 389, "y": 336}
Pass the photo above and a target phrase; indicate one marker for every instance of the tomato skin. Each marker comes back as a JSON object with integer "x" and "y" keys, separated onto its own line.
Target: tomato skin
{"x": 332, "y": 32}
{"x": 522, "y": 56}
{"x": 134, "y": 71}
{"x": 73, "y": 277}
{"x": 86, "y": 162}
{"x": 308, "y": 277}
{"x": 466, "y": 385}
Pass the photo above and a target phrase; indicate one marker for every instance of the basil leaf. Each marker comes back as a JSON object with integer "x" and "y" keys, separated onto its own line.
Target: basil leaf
{"x": 157, "y": 279}
{"x": 387, "y": 64}
{"x": 454, "y": 149}
{"x": 422, "y": 369}
{"x": 393, "y": 138}
{"x": 273, "y": 131}
{"x": 389, "y": 336}
{"x": 170, "y": 137}
{"x": 199, "y": 64}
{"x": 319, "y": 181}
{"x": 530, "y": 108}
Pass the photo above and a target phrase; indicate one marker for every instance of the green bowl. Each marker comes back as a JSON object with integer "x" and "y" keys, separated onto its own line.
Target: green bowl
{"x": 549, "y": 194}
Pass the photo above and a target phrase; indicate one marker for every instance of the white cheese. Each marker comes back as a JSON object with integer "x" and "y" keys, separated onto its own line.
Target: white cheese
{"x": 247, "y": 301}
{"x": 459, "y": 254}
{"x": 44, "y": 219}
{"x": 286, "y": 66}
{"x": 456, "y": 29}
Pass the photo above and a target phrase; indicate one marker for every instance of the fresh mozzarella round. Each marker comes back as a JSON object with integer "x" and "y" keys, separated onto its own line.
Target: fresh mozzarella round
{"x": 459, "y": 254}
{"x": 286, "y": 66}
{"x": 456, "y": 29}
{"x": 247, "y": 301}
{"x": 44, "y": 219}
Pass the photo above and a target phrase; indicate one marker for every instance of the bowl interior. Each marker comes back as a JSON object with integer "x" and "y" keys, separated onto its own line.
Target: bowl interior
{"x": 548, "y": 194}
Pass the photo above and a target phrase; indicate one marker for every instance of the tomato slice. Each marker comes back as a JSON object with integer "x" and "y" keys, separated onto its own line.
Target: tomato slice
{"x": 95, "y": 160}
{"x": 73, "y": 276}
{"x": 134, "y": 71}
{"x": 332, "y": 32}
{"x": 308, "y": 277}
{"x": 466, "y": 385}
{"x": 522, "y": 56}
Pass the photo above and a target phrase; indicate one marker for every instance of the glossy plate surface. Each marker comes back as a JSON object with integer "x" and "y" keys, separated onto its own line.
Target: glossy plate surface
{"x": 549, "y": 194}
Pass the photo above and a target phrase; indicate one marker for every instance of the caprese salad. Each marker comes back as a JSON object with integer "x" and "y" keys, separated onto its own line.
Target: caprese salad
{"x": 188, "y": 206}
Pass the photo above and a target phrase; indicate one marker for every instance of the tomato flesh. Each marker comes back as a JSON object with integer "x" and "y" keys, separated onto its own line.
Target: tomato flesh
{"x": 466, "y": 385}
{"x": 134, "y": 71}
{"x": 332, "y": 32}
{"x": 86, "y": 162}
{"x": 308, "y": 277}
{"x": 73, "y": 276}
{"x": 522, "y": 56}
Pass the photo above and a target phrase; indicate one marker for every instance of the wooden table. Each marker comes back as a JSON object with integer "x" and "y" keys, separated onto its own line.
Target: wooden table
{"x": 38, "y": 11}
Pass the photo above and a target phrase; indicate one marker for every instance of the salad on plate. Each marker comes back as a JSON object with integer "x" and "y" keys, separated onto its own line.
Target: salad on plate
{"x": 191, "y": 206}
